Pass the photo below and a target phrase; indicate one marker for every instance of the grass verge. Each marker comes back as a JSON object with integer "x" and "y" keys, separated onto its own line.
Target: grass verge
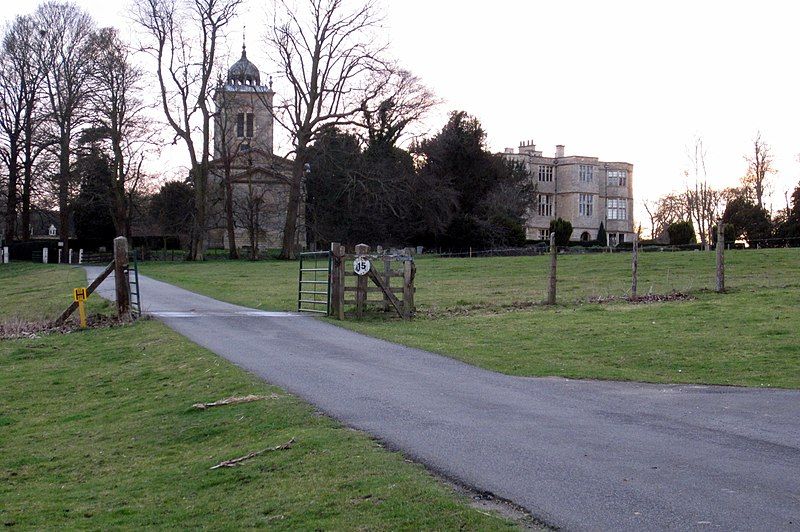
{"x": 98, "y": 432}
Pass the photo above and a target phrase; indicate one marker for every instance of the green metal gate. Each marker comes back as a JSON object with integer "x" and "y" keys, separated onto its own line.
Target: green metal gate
{"x": 133, "y": 283}
{"x": 314, "y": 282}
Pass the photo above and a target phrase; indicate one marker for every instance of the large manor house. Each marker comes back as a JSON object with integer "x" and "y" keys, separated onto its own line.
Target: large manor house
{"x": 582, "y": 190}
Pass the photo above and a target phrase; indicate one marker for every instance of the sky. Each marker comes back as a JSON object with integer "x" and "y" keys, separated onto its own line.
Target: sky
{"x": 625, "y": 81}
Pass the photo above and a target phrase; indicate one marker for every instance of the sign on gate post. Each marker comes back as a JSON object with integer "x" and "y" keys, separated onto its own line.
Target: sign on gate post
{"x": 361, "y": 265}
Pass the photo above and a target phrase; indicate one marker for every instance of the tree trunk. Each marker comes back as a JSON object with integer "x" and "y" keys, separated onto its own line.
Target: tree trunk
{"x": 27, "y": 180}
{"x": 119, "y": 198}
{"x": 289, "y": 250}
{"x": 63, "y": 193}
{"x": 198, "y": 236}
{"x": 233, "y": 253}
{"x": 11, "y": 197}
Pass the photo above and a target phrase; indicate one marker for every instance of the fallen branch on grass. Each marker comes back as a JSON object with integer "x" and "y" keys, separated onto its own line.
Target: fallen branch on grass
{"x": 236, "y": 461}
{"x": 234, "y": 401}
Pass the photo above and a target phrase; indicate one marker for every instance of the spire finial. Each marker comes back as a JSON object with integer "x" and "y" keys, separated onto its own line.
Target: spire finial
{"x": 244, "y": 46}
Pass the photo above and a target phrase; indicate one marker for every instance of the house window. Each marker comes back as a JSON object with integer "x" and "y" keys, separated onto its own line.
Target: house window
{"x": 546, "y": 205}
{"x": 244, "y": 125}
{"x": 545, "y": 173}
{"x": 617, "y": 178}
{"x": 544, "y": 234}
{"x": 617, "y": 209}
{"x": 586, "y": 172}
{"x": 585, "y": 204}
{"x": 240, "y": 125}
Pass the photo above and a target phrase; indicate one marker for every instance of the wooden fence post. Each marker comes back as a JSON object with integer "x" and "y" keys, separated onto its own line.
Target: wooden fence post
{"x": 551, "y": 287}
{"x": 121, "y": 278}
{"x": 635, "y": 266}
{"x": 720, "y": 257}
{"x": 361, "y": 284}
{"x": 337, "y": 277}
{"x": 409, "y": 272}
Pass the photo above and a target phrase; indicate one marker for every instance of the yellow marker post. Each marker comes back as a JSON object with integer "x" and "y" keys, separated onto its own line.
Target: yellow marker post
{"x": 80, "y": 295}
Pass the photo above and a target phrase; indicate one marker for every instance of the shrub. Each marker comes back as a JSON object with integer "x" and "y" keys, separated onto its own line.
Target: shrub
{"x": 681, "y": 233}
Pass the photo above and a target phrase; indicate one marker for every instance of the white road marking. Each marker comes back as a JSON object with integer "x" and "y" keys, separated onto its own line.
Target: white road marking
{"x": 218, "y": 314}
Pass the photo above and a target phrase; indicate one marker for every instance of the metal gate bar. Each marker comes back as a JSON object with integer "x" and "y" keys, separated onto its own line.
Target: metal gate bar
{"x": 133, "y": 283}
{"x": 315, "y": 296}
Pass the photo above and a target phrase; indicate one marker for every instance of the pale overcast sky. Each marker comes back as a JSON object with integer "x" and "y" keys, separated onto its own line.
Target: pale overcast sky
{"x": 621, "y": 80}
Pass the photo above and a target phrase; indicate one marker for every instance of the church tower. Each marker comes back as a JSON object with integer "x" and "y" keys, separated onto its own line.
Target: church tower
{"x": 250, "y": 184}
{"x": 244, "y": 108}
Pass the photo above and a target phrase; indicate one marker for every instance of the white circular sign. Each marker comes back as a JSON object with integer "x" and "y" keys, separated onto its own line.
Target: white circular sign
{"x": 361, "y": 265}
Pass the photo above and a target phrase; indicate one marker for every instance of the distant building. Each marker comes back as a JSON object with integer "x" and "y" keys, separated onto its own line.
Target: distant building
{"x": 243, "y": 152}
{"x": 582, "y": 190}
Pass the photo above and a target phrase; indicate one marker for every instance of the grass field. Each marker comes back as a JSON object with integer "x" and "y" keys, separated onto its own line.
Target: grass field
{"x": 30, "y": 291}
{"x": 479, "y": 310}
{"x": 97, "y": 431}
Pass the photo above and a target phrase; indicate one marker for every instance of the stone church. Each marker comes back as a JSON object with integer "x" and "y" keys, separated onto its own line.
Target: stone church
{"x": 243, "y": 154}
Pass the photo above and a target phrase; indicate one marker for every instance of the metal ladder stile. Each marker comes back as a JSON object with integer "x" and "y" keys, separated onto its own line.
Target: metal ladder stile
{"x": 314, "y": 286}
{"x": 133, "y": 282}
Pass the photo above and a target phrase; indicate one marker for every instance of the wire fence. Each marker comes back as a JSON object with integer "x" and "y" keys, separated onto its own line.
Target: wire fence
{"x": 452, "y": 284}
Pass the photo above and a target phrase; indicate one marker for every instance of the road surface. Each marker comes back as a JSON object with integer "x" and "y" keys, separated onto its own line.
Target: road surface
{"x": 579, "y": 455}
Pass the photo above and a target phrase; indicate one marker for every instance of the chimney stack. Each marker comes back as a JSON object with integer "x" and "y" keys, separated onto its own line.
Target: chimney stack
{"x": 527, "y": 146}
{"x": 559, "y": 151}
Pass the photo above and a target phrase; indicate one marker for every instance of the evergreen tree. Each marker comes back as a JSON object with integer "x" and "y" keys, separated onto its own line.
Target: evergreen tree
{"x": 602, "y": 237}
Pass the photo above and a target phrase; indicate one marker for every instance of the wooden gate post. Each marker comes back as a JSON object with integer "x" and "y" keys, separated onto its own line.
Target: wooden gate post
{"x": 337, "y": 280}
{"x": 551, "y": 287}
{"x": 121, "y": 278}
{"x": 635, "y": 266}
{"x": 361, "y": 284}
{"x": 409, "y": 272}
{"x": 720, "y": 257}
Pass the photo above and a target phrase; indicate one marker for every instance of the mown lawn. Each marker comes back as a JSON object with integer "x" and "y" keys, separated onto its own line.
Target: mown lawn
{"x": 97, "y": 431}
{"x": 479, "y": 311}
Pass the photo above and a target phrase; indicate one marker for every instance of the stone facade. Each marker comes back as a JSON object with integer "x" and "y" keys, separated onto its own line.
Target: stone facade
{"x": 582, "y": 190}
{"x": 243, "y": 153}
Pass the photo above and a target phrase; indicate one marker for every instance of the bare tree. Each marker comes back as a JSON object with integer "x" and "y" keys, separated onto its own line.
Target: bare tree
{"x": 120, "y": 118}
{"x": 184, "y": 40}
{"x": 20, "y": 119}
{"x": 327, "y": 54}
{"x": 667, "y": 210}
{"x": 759, "y": 167}
{"x": 250, "y": 210}
{"x": 704, "y": 204}
{"x": 66, "y": 59}
{"x": 402, "y": 101}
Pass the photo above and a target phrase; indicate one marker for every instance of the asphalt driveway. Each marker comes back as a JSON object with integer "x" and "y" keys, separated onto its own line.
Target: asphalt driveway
{"x": 581, "y": 455}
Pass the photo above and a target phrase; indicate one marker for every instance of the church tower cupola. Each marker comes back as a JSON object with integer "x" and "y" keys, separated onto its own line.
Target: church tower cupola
{"x": 243, "y": 72}
{"x": 244, "y": 111}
